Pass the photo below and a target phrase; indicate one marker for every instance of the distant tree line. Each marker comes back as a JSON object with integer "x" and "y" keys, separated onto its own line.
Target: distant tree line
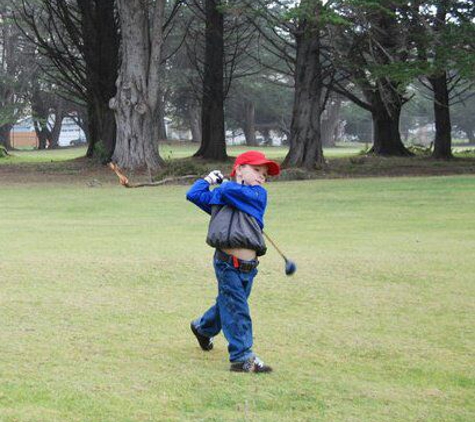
{"x": 119, "y": 66}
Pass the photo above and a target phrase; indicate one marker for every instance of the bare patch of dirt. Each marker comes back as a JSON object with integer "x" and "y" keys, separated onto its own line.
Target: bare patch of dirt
{"x": 77, "y": 171}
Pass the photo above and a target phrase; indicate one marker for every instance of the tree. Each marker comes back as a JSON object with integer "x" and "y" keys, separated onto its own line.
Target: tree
{"x": 138, "y": 90}
{"x": 16, "y": 69}
{"x": 257, "y": 103}
{"x": 331, "y": 121}
{"x": 182, "y": 77}
{"x": 219, "y": 59}
{"x": 213, "y": 145}
{"x": 296, "y": 35}
{"x": 44, "y": 105}
{"x": 80, "y": 39}
{"x": 371, "y": 53}
{"x": 445, "y": 27}
{"x": 357, "y": 123}
{"x": 462, "y": 117}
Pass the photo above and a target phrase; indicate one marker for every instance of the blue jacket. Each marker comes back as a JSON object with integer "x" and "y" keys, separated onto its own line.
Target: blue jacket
{"x": 249, "y": 199}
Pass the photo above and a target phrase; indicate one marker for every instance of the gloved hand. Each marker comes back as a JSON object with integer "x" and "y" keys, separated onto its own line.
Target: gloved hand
{"x": 215, "y": 177}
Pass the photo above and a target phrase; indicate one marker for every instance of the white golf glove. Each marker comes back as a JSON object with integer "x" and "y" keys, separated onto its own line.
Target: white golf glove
{"x": 215, "y": 177}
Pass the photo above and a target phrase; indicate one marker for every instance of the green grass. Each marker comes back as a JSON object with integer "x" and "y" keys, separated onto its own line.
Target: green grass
{"x": 43, "y": 156}
{"x": 168, "y": 151}
{"x": 176, "y": 150}
{"x": 98, "y": 285}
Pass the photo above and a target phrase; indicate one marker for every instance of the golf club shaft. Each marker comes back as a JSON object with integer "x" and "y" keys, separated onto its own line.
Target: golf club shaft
{"x": 274, "y": 245}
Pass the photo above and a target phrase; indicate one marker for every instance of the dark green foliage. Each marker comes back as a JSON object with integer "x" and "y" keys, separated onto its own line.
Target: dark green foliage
{"x": 100, "y": 152}
{"x": 3, "y": 152}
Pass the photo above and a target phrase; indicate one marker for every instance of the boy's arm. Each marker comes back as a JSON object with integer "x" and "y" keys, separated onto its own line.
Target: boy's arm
{"x": 200, "y": 194}
{"x": 250, "y": 199}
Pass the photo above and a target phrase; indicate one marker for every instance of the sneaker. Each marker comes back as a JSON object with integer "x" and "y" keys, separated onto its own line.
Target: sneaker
{"x": 206, "y": 343}
{"x": 253, "y": 364}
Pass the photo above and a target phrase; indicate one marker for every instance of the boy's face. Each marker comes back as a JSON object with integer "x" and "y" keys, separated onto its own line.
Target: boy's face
{"x": 251, "y": 175}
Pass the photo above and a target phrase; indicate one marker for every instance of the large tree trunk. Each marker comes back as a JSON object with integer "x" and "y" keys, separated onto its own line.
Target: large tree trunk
{"x": 213, "y": 145}
{"x": 386, "y": 134}
{"x": 136, "y": 104}
{"x": 101, "y": 127}
{"x": 443, "y": 126}
{"x": 248, "y": 124}
{"x": 305, "y": 133}
{"x": 101, "y": 52}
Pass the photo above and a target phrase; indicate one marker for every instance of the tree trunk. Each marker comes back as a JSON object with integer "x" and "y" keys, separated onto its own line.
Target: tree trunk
{"x": 265, "y": 131}
{"x": 92, "y": 133}
{"x": 40, "y": 110}
{"x": 249, "y": 123}
{"x": 5, "y": 136}
{"x": 101, "y": 128}
{"x": 470, "y": 135}
{"x": 83, "y": 120}
{"x": 386, "y": 134}
{"x": 330, "y": 120}
{"x": 136, "y": 103}
{"x": 58, "y": 123}
{"x": 305, "y": 132}
{"x": 443, "y": 126}
{"x": 162, "y": 128}
{"x": 101, "y": 52}
{"x": 213, "y": 145}
{"x": 194, "y": 122}
{"x": 42, "y": 133}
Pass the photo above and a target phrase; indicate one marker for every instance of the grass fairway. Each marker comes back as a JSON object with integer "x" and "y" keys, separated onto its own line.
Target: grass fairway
{"x": 98, "y": 285}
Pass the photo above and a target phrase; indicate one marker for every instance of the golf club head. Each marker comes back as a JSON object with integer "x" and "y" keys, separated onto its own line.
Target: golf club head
{"x": 290, "y": 267}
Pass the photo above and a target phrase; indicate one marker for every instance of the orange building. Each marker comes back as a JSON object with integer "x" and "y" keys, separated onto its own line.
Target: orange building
{"x": 20, "y": 139}
{"x": 23, "y": 134}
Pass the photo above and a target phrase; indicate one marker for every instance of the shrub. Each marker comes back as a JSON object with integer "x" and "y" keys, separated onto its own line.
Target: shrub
{"x": 3, "y": 152}
{"x": 418, "y": 149}
{"x": 100, "y": 152}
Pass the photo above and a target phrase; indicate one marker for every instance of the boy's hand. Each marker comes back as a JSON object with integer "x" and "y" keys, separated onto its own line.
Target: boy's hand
{"x": 215, "y": 177}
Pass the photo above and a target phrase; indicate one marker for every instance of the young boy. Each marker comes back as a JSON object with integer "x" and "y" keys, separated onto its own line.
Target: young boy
{"x": 235, "y": 230}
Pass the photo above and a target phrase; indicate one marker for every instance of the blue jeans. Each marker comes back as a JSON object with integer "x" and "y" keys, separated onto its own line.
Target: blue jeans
{"x": 231, "y": 311}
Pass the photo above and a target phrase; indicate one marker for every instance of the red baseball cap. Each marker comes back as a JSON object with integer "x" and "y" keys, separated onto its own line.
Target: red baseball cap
{"x": 256, "y": 158}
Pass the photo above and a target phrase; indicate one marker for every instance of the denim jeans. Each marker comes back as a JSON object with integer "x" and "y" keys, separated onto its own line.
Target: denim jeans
{"x": 231, "y": 311}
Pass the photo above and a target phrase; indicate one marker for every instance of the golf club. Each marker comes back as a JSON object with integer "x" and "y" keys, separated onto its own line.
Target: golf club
{"x": 290, "y": 266}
